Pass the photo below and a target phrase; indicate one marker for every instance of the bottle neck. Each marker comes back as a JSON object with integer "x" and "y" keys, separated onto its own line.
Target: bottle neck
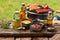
{"x": 50, "y": 17}
{"x": 23, "y": 8}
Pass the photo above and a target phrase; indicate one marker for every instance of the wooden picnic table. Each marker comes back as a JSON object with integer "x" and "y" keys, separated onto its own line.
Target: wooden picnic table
{"x": 18, "y": 33}
{"x": 14, "y": 34}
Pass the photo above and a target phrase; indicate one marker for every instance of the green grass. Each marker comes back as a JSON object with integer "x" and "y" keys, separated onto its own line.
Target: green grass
{"x": 8, "y": 7}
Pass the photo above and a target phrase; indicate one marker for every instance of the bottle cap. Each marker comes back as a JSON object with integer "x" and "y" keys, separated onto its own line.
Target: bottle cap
{"x": 23, "y": 4}
{"x": 50, "y": 12}
{"x": 16, "y": 12}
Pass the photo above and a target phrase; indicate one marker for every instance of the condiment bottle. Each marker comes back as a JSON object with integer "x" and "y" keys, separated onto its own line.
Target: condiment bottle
{"x": 16, "y": 15}
{"x": 49, "y": 19}
{"x": 16, "y": 24}
{"x": 23, "y": 12}
{"x": 16, "y": 21}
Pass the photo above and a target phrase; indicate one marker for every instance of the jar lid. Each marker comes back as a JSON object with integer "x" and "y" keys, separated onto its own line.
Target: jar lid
{"x": 16, "y": 12}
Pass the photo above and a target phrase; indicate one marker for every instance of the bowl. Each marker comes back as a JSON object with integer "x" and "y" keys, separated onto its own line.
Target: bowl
{"x": 26, "y": 24}
{"x": 36, "y": 27}
{"x": 51, "y": 29}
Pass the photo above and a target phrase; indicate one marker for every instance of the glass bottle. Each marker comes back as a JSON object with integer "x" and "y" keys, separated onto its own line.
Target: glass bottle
{"x": 22, "y": 12}
{"x": 16, "y": 15}
{"x": 16, "y": 21}
{"x": 49, "y": 20}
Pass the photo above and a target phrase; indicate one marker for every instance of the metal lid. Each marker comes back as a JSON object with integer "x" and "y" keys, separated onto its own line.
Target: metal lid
{"x": 16, "y": 12}
{"x": 23, "y": 4}
{"x": 50, "y": 12}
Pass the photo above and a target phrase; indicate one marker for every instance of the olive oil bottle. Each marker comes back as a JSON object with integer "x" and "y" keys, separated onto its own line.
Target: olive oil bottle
{"x": 50, "y": 27}
{"x": 16, "y": 20}
{"x": 49, "y": 20}
{"x": 23, "y": 12}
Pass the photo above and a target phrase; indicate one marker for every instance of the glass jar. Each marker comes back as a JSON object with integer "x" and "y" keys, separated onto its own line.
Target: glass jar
{"x": 16, "y": 20}
{"x": 16, "y": 23}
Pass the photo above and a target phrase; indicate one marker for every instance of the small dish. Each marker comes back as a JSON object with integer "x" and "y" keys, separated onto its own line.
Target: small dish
{"x": 36, "y": 26}
{"x": 51, "y": 29}
{"x": 26, "y": 24}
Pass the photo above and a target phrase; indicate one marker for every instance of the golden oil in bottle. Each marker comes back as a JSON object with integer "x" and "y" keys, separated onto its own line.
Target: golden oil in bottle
{"x": 16, "y": 21}
{"x": 16, "y": 24}
{"x": 49, "y": 20}
{"x": 23, "y": 12}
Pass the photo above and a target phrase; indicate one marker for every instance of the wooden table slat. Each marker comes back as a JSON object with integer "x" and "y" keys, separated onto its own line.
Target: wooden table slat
{"x": 18, "y": 38}
{"x": 6, "y": 38}
{"x": 32, "y": 38}
{"x": 12, "y": 32}
{"x": 55, "y": 37}
{"x": 23, "y": 38}
{"x": 42, "y": 38}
